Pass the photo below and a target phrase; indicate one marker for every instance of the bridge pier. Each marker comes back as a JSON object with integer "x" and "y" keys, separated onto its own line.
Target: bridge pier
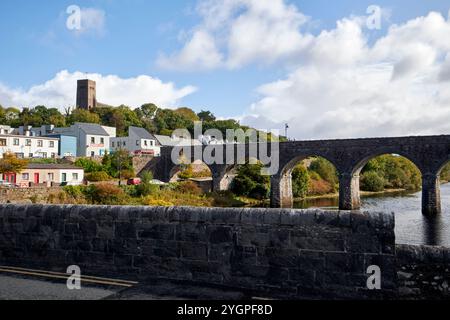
{"x": 221, "y": 178}
{"x": 431, "y": 194}
{"x": 349, "y": 195}
{"x": 281, "y": 191}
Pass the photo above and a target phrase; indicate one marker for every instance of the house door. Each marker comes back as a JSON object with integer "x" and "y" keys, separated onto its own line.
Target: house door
{"x": 36, "y": 178}
{"x": 9, "y": 177}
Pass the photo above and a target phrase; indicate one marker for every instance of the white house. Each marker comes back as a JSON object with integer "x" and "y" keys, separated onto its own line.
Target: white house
{"x": 25, "y": 146}
{"x": 139, "y": 141}
{"x": 92, "y": 139}
{"x": 48, "y": 174}
{"x": 167, "y": 141}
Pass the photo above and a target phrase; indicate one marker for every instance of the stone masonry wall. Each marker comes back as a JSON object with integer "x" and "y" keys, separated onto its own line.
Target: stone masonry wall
{"x": 266, "y": 252}
{"x": 423, "y": 272}
{"x": 27, "y": 195}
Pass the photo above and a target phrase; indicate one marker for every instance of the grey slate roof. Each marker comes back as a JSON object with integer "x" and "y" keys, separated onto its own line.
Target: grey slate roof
{"x": 52, "y": 166}
{"x": 92, "y": 128}
{"x": 142, "y": 133}
{"x": 168, "y": 141}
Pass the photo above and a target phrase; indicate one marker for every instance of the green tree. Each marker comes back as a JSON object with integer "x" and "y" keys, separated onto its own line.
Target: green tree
{"x": 325, "y": 169}
{"x": 89, "y": 165}
{"x": 372, "y": 181}
{"x": 116, "y": 162}
{"x": 206, "y": 116}
{"x": 250, "y": 182}
{"x": 81, "y": 115}
{"x": 188, "y": 114}
{"x": 300, "y": 181}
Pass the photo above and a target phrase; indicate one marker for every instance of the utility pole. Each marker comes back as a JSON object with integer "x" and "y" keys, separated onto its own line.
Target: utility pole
{"x": 119, "y": 165}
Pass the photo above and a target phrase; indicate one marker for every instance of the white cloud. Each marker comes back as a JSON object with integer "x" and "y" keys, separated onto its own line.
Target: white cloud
{"x": 234, "y": 33}
{"x": 344, "y": 87}
{"x": 60, "y": 92}
{"x": 200, "y": 52}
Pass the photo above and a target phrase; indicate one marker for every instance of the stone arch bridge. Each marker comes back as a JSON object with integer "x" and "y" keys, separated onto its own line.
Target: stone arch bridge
{"x": 349, "y": 156}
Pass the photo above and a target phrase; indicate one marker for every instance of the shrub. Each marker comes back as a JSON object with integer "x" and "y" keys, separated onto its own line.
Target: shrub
{"x": 189, "y": 187}
{"x": 250, "y": 182}
{"x": 97, "y": 176}
{"x": 127, "y": 174}
{"x": 371, "y": 181}
{"x": 158, "y": 203}
{"x": 187, "y": 173}
{"x": 88, "y": 165}
{"x": 325, "y": 169}
{"x": 300, "y": 181}
{"x": 320, "y": 187}
{"x": 146, "y": 187}
{"x": 106, "y": 193}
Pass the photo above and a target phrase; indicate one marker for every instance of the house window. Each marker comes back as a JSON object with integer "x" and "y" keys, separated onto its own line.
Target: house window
{"x": 44, "y": 155}
{"x": 53, "y": 155}
{"x": 124, "y": 144}
{"x": 40, "y": 143}
{"x": 52, "y": 144}
{"x": 137, "y": 143}
{"x": 25, "y": 176}
{"x": 30, "y": 155}
{"x": 92, "y": 154}
{"x": 75, "y": 176}
{"x": 2, "y": 142}
{"x": 16, "y": 141}
{"x": 151, "y": 143}
{"x": 112, "y": 144}
{"x": 51, "y": 177}
{"x": 102, "y": 140}
{"x": 92, "y": 139}
{"x": 145, "y": 142}
{"x": 28, "y": 142}
{"x": 64, "y": 177}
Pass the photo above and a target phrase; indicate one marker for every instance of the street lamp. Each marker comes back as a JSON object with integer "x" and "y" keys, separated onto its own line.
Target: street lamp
{"x": 286, "y": 127}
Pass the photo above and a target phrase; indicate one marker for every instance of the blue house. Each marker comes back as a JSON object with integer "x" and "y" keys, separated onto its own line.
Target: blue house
{"x": 67, "y": 145}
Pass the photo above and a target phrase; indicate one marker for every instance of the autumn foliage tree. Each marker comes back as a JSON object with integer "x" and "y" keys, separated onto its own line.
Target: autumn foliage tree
{"x": 11, "y": 164}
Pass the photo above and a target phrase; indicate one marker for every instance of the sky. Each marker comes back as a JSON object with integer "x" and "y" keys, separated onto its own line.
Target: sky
{"x": 341, "y": 69}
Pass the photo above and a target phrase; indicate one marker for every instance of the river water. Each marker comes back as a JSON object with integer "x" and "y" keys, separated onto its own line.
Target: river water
{"x": 411, "y": 227}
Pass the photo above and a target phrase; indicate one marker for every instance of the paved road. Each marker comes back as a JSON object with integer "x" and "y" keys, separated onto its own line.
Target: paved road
{"x": 18, "y": 288}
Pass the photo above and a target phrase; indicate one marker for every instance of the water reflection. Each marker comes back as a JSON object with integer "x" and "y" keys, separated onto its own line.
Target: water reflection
{"x": 411, "y": 226}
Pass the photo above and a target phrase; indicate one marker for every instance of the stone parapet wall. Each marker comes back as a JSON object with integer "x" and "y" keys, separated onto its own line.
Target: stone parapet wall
{"x": 267, "y": 252}
{"x": 423, "y": 272}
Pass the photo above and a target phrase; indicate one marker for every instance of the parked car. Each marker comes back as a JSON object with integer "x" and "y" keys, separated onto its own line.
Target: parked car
{"x": 134, "y": 181}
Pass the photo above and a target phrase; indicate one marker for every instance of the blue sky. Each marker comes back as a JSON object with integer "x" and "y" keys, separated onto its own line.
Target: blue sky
{"x": 135, "y": 34}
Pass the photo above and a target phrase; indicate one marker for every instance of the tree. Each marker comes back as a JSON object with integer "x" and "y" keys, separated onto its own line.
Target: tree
{"x": 250, "y": 182}
{"x": 116, "y": 162}
{"x": 206, "y": 116}
{"x": 300, "y": 181}
{"x": 81, "y": 115}
{"x": 325, "y": 169}
{"x": 371, "y": 181}
{"x": 188, "y": 114}
{"x": 11, "y": 164}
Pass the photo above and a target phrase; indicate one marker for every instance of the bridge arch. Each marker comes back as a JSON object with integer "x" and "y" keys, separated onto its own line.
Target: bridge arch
{"x": 281, "y": 184}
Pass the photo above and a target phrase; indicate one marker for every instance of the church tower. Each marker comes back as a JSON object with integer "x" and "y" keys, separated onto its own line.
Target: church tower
{"x": 86, "y": 94}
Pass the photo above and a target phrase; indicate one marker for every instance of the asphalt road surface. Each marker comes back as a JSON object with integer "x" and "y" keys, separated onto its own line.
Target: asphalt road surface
{"x": 15, "y": 288}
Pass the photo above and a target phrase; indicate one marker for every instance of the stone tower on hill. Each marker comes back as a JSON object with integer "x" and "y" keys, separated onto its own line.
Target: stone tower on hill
{"x": 86, "y": 94}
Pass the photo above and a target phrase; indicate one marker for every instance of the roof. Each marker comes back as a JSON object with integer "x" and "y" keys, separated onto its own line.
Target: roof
{"x": 169, "y": 141}
{"x": 142, "y": 133}
{"x": 61, "y": 166}
{"x": 92, "y": 128}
